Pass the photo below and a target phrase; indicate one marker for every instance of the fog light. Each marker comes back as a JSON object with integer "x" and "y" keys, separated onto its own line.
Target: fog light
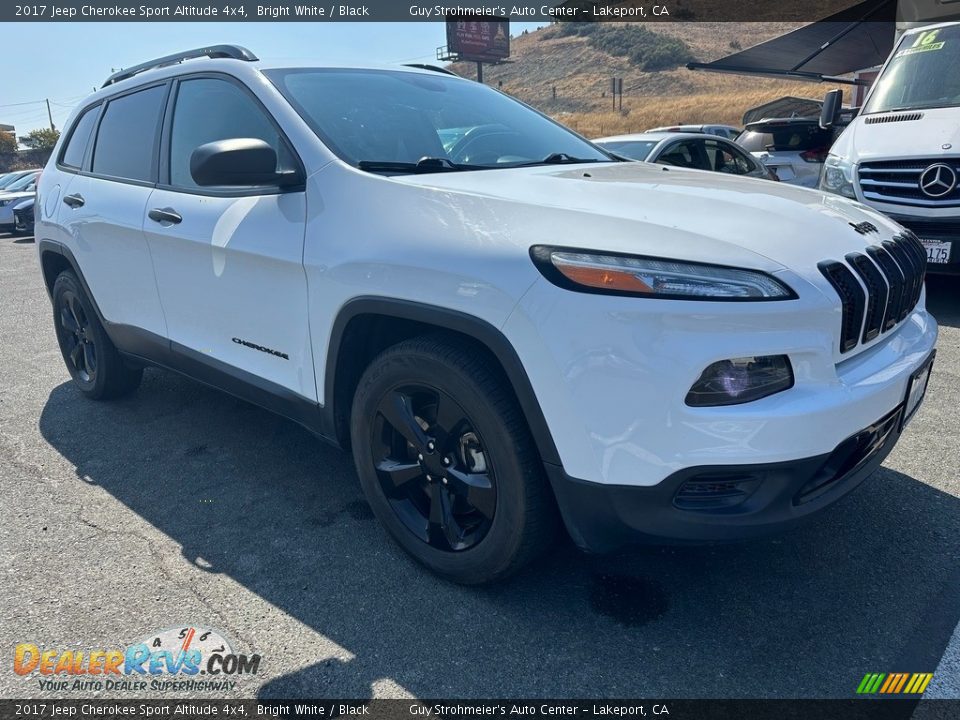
{"x": 741, "y": 380}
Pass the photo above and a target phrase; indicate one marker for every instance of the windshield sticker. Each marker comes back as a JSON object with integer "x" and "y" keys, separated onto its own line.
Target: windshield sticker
{"x": 922, "y": 48}
{"x": 924, "y": 43}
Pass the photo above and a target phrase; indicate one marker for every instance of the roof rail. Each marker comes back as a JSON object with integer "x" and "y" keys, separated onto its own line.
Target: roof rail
{"x": 234, "y": 52}
{"x": 433, "y": 68}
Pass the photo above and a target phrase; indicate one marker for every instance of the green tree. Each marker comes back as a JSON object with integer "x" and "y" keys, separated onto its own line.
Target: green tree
{"x": 8, "y": 143}
{"x": 41, "y": 139}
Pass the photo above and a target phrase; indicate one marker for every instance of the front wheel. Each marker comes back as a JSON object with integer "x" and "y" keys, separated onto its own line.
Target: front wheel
{"x": 447, "y": 463}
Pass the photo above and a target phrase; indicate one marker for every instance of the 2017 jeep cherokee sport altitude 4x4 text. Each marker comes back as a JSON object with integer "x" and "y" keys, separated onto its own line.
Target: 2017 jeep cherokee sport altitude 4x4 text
{"x": 506, "y": 325}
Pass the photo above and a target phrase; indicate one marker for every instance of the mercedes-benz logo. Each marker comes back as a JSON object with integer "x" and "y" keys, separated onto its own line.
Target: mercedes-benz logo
{"x": 938, "y": 180}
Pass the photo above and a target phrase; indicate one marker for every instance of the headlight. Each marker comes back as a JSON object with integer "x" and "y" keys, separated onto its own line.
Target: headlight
{"x": 4, "y": 203}
{"x": 837, "y": 176}
{"x": 616, "y": 274}
{"x": 741, "y": 380}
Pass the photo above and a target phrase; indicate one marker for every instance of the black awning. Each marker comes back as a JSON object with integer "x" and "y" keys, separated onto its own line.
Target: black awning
{"x": 857, "y": 38}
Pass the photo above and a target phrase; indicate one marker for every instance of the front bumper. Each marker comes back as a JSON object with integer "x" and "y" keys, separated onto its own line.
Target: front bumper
{"x": 23, "y": 221}
{"x": 720, "y": 502}
{"x": 611, "y": 375}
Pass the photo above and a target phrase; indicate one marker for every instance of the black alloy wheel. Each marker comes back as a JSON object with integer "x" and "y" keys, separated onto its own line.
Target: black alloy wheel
{"x": 80, "y": 340}
{"x": 432, "y": 467}
{"x": 95, "y": 364}
{"x": 447, "y": 462}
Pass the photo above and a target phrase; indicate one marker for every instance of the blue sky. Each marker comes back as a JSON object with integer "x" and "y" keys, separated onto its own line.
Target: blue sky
{"x": 64, "y": 61}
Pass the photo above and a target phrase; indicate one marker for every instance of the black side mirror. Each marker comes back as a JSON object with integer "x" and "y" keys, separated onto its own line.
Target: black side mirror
{"x": 830, "y": 112}
{"x": 238, "y": 162}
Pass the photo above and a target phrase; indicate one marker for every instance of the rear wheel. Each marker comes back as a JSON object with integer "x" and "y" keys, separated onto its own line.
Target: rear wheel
{"x": 447, "y": 463}
{"x": 91, "y": 358}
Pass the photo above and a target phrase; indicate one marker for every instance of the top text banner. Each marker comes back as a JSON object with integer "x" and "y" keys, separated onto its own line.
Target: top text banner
{"x": 404, "y": 11}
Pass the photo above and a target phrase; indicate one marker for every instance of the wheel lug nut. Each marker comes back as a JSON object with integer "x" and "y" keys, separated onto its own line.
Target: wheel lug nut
{"x": 444, "y": 481}
{"x": 420, "y": 457}
{"x": 429, "y": 478}
{"x": 446, "y": 461}
{"x": 431, "y": 446}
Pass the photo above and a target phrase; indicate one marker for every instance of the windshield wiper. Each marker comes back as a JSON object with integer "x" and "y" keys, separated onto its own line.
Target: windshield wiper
{"x": 423, "y": 165}
{"x": 559, "y": 158}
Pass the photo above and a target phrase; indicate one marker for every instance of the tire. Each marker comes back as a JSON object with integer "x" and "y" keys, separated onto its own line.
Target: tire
{"x": 96, "y": 367}
{"x": 439, "y": 508}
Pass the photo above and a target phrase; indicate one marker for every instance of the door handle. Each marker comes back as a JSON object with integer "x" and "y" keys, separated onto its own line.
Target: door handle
{"x": 165, "y": 216}
{"x": 76, "y": 200}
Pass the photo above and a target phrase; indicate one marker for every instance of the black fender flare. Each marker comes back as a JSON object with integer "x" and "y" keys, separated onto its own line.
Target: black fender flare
{"x": 444, "y": 318}
{"x": 51, "y": 246}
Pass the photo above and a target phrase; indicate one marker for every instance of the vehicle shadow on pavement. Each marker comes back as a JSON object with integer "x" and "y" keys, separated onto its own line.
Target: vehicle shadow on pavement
{"x": 863, "y": 588}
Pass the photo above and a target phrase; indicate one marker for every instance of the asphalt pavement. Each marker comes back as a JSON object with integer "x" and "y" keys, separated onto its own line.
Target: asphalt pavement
{"x": 183, "y": 507}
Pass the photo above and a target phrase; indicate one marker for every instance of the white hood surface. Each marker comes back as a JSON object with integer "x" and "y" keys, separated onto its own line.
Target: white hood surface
{"x": 923, "y": 138}
{"x": 672, "y": 212}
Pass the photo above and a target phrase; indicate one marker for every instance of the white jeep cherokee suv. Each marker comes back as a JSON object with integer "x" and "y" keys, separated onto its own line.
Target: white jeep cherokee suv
{"x": 506, "y": 325}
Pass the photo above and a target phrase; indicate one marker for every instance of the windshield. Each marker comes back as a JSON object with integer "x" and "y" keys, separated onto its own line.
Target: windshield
{"x": 9, "y": 179}
{"x": 921, "y": 74}
{"x": 22, "y": 183}
{"x": 633, "y": 149}
{"x": 386, "y": 120}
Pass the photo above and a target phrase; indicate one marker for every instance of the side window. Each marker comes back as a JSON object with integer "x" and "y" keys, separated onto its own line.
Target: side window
{"x": 726, "y": 159}
{"x": 76, "y": 148}
{"x": 207, "y": 110}
{"x": 126, "y": 139}
{"x": 687, "y": 153}
{"x": 677, "y": 154}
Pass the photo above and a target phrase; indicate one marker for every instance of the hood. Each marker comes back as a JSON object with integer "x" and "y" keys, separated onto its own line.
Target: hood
{"x": 17, "y": 195}
{"x": 922, "y": 138}
{"x": 647, "y": 209}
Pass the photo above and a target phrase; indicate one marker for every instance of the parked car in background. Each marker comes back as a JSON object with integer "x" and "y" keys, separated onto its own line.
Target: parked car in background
{"x": 7, "y": 179}
{"x": 793, "y": 148}
{"x": 681, "y": 149}
{"x": 901, "y": 154}
{"x": 23, "y": 217}
{"x": 22, "y": 189}
{"x": 725, "y": 131}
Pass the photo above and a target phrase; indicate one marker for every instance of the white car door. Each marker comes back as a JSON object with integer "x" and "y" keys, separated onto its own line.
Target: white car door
{"x": 102, "y": 199}
{"x": 229, "y": 260}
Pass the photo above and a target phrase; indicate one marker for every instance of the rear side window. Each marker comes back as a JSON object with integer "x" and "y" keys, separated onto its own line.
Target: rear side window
{"x": 126, "y": 140}
{"x": 753, "y": 141}
{"x": 76, "y": 147}
{"x": 207, "y": 110}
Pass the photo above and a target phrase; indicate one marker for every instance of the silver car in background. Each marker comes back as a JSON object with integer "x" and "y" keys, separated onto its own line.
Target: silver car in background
{"x": 725, "y": 131}
{"x": 689, "y": 150}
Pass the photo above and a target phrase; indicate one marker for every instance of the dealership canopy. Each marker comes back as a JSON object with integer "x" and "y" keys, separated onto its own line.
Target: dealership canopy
{"x": 857, "y": 38}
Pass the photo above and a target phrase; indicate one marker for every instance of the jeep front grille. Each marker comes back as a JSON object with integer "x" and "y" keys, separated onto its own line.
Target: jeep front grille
{"x": 882, "y": 288}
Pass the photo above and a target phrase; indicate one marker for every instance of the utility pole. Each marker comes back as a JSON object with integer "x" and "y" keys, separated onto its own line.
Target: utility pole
{"x": 50, "y": 115}
{"x": 479, "y": 71}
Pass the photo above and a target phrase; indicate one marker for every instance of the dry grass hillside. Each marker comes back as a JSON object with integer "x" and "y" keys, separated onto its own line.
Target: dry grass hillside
{"x": 545, "y": 60}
